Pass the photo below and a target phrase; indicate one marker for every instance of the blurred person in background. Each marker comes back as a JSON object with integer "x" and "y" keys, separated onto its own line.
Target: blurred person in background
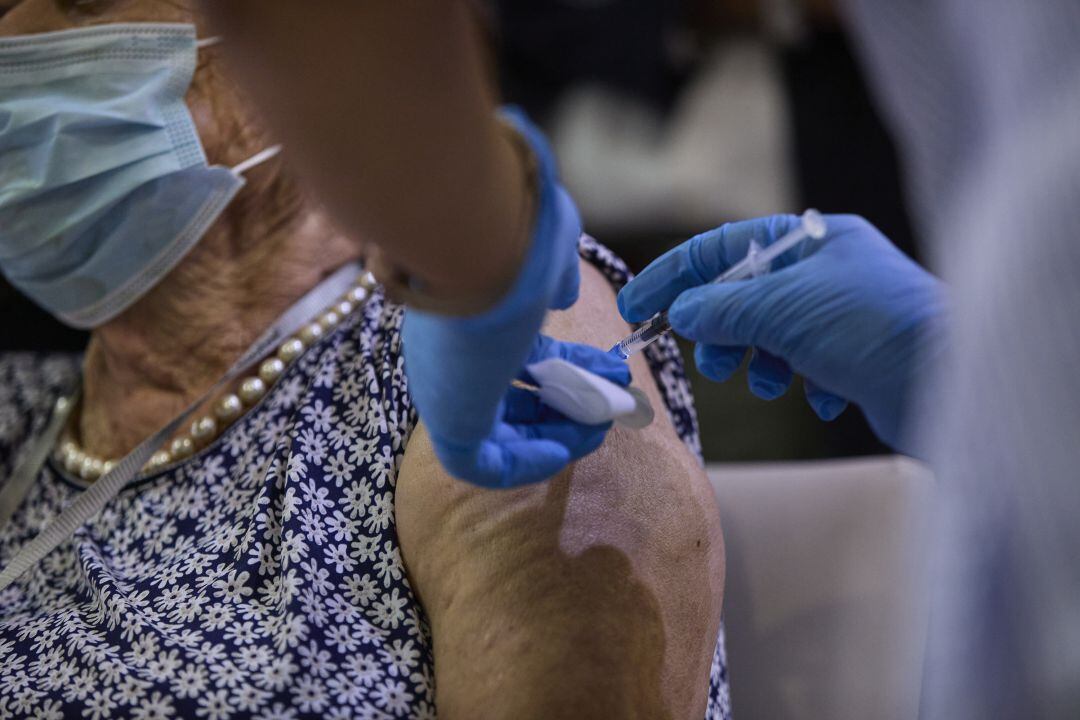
{"x": 978, "y": 378}
{"x": 271, "y": 557}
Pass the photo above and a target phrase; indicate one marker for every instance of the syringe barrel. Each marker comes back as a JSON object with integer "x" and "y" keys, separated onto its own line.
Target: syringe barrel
{"x": 758, "y": 261}
{"x": 653, "y": 329}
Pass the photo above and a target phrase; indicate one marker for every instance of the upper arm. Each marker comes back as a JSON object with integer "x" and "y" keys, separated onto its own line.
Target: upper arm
{"x": 596, "y": 594}
{"x": 413, "y": 126}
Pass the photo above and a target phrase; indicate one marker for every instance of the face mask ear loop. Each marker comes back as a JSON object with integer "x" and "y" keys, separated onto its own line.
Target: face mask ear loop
{"x": 207, "y": 42}
{"x": 257, "y": 159}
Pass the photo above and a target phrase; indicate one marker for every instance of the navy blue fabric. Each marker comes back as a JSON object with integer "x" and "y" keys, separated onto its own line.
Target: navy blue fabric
{"x": 261, "y": 577}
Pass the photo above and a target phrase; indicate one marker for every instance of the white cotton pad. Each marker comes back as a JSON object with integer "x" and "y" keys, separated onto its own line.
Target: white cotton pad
{"x": 588, "y": 398}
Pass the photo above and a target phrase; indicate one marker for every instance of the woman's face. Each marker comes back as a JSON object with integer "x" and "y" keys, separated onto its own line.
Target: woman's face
{"x": 220, "y": 114}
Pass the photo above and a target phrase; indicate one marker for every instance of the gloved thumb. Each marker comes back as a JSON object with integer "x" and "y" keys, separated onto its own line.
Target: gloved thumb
{"x": 597, "y": 361}
{"x": 744, "y": 313}
{"x": 696, "y": 262}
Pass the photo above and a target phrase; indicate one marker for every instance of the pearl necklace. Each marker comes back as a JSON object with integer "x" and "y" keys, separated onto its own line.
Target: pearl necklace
{"x": 250, "y": 390}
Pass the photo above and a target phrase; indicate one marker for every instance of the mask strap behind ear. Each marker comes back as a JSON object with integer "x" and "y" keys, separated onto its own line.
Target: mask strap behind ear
{"x": 207, "y": 42}
{"x": 256, "y": 159}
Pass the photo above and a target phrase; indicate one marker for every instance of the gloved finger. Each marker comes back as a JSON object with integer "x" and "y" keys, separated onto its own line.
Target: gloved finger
{"x": 524, "y": 416}
{"x": 827, "y": 406}
{"x": 717, "y": 362}
{"x": 696, "y": 262}
{"x": 562, "y": 430}
{"x": 737, "y": 313}
{"x": 590, "y": 442}
{"x": 523, "y": 406}
{"x": 578, "y": 439}
{"x": 593, "y": 359}
{"x": 769, "y": 377}
{"x": 506, "y": 463}
{"x": 523, "y": 462}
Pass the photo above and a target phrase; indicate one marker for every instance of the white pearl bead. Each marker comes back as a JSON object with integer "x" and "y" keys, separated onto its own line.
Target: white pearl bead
{"x": 329, "y": 320}
{"x": 271, "y": 370}
{"x": 251, "y": 390}
{"x": 290, "y": 349}
{"x": 69, "y": 446}
{"x": 203, "y": 430}
{"x": 228, "y": 408}
{"x": 182, "y": 447}
{"x": 158, "y": 460}
{"x": 91, "y": 468}
{"x": 311, "y": 333}
{"x": 74, "y": 460}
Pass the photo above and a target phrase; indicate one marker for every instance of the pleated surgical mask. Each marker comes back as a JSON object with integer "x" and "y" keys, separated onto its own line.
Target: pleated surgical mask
{"x": 104, "y": 185}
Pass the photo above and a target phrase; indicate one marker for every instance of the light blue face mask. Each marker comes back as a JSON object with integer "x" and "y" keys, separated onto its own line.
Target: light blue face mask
{"x": 104, "y": 185}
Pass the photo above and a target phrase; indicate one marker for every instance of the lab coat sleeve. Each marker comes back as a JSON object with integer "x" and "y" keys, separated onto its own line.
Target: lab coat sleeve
{"x": 983, "y": 98}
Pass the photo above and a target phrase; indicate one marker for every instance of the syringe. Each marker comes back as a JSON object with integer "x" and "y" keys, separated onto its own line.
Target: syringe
{"x": 758, "y": 261}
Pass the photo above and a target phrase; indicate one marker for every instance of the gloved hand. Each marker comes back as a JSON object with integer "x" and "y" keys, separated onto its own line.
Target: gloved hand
{"x": 460, "y": 368}
{"x": 529, "y": 441}
{"x": 851, "y": 313}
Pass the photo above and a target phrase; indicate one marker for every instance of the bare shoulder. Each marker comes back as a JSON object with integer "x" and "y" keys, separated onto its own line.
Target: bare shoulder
{"x": 596, "y": 594}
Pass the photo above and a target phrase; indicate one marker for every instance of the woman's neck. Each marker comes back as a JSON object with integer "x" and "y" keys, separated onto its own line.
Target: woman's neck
{"x": 145, "y": 366}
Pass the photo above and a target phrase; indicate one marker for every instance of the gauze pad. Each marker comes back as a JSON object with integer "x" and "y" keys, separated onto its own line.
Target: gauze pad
{"x": 588, "y": 398}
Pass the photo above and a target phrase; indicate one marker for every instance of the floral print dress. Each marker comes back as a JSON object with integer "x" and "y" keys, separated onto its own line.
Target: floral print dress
{"x": 261, "y": 577}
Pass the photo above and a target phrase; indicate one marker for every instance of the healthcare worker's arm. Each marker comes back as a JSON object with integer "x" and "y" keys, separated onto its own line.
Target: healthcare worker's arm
{"x": 388, "y": 111}
{"x": 851, "y": 313}
{"x": 596, "y": 595}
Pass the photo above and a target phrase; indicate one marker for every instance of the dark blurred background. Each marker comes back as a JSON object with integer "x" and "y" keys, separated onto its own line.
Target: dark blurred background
{"x": 670, "y": 117}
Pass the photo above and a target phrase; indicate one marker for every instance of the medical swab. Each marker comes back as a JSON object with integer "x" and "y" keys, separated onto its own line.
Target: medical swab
{"x": 586, "y": 397}
{"x": 758, "y": 261}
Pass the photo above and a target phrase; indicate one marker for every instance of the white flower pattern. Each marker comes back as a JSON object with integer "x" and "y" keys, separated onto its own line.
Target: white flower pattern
{"x": 261, "y": 578}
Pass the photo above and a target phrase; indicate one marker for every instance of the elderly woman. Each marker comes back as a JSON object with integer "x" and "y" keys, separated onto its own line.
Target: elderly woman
{"x": 298, "y": 551}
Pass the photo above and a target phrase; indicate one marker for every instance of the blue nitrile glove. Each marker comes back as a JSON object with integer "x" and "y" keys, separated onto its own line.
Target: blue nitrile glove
{"x": 460, "y": 368}
{"x": 531, "y": 442}
{"x": 851, "y": 313}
